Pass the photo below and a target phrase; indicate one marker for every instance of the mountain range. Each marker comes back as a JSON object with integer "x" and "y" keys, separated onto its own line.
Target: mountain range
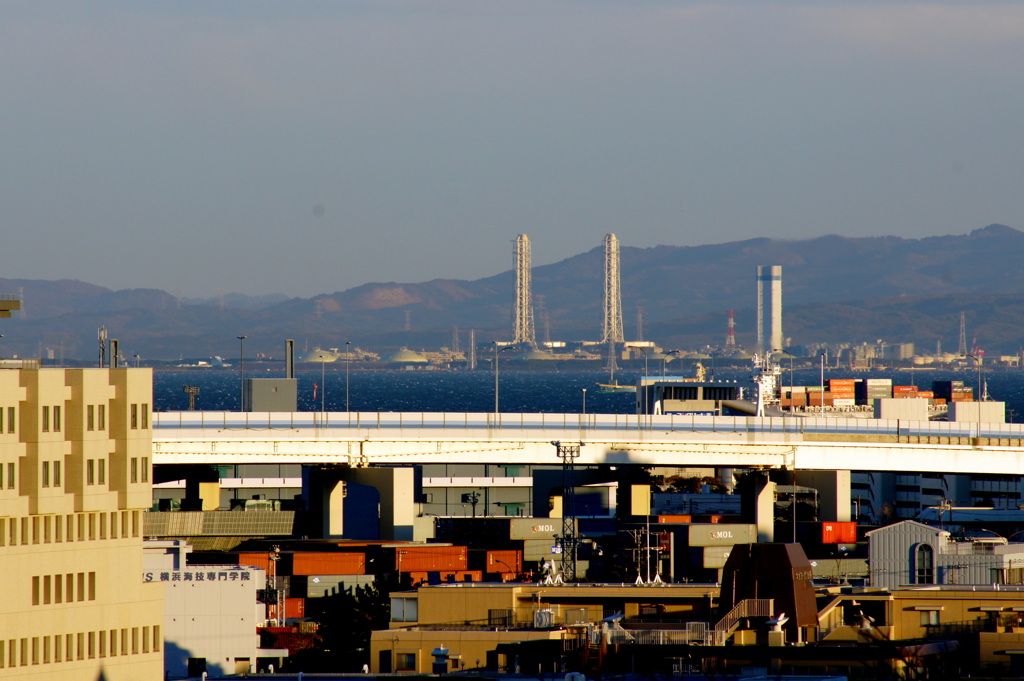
{"x": 835, "y": 289}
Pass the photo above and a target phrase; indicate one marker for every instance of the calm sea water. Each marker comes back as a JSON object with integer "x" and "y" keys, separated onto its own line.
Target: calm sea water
{"x": 519, "y": 391}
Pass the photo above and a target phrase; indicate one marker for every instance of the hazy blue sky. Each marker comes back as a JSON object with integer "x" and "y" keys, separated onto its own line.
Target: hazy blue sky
{"x": 308, "y": 147}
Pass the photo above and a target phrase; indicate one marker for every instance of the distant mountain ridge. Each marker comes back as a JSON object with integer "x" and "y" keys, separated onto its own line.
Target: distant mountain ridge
{"x": 834, "y": 287}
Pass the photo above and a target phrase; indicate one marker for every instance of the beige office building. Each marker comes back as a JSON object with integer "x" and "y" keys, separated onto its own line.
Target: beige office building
{"x": 75, "y": 447}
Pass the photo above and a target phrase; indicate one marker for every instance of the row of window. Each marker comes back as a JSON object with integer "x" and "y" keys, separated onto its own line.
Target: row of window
{"x": 53, "y": 589}
{"x": 11, "y": 419}
{"x": 79, "y": 646}
{"x": 95, "y": 472}
{"x": 95, "y": 417}
{"x": 47, "y": 529}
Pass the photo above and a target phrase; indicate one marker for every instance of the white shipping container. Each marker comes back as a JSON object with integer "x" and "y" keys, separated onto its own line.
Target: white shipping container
{"x": 715, "y": 556}
{"x": 721, "y": 534}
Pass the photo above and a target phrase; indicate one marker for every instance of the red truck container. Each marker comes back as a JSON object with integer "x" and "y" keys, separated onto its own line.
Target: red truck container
{"x": 839, "y": 533}
{"x": 294, "y": 608}
{"x": 319, "y": 563}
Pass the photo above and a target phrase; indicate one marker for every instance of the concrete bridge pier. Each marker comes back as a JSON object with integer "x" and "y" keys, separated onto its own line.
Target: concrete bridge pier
{"x": 331, "y": 491}
{"x": 833, "y": 492}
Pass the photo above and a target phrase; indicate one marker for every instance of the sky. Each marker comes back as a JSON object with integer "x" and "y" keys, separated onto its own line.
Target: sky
{"x": 309, "y": 147}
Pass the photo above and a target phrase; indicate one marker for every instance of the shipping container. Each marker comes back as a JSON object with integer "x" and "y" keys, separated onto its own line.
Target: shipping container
{"x": 504, "y": 561}
{"x": 348, "y": 563}
{"x": 715, "y": 556}
{"x": 839, "y": 532}
{"x": 294, "y": 608}
{"x": 430, "y": 558}
{"x": 721, "y": 534}
{"x": 676, "y": 519}
{"x": 904, "y": 389}
{"x": 844, "y": 402}
{"x": 535, "y": 528}
{"x": 260, "y": 560}
{"x": 926, "y": 393}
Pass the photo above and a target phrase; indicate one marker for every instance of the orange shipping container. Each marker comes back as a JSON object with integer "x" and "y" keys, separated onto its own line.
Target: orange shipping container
{"x": 260, "y": 560}
{"x": 839, "y": 533}
{"x": 504, "y": 561}
{"x": 431, "y": 558}
{"x": 353, "y": 563}
{"x": 926, "y": 393}
{"x": 675, "y": 519}
{"x": 294, "y": 608}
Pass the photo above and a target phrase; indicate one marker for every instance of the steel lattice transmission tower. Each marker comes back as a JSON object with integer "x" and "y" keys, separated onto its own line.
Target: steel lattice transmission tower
{"x": 730, "y": 332}
{"x": 522, "y": 325}
{"x": 611, "y": 331}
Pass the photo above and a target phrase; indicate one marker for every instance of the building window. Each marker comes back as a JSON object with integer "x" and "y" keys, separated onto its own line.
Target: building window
{"x": 90, "y": 417}
{"x": 405, "y": 662}
{"x": 58, "y": 589}
{"x": 135, "y": 416}
{"x": 56, "y": 418}
{"x": 56, "y": 473}
{"x": 101, "y": 471}
{"x": 10, "y": 419}
{"x": 156, "y": 638}
{"x": 35, "y": 590}
{"x": 90, "y": 472}
{"x": 101, "y": 417}
{"x": 46, "y": 474}
{"x": 929, "y": 618}
{"x": 134, "y": 469}
{"x": 10, "y": 475}
{"x": 46, "y": 420}
{"x": 145, "y": 415}
{"x": 145, "y": 469}
{"x": 925, "y": 564}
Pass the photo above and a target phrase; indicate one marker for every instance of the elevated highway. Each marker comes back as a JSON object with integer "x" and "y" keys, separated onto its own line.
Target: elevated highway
{"x": 367, "y": 439}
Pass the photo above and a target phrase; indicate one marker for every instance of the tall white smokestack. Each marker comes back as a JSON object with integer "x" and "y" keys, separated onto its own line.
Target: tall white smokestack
{"x": 772, "y": 276}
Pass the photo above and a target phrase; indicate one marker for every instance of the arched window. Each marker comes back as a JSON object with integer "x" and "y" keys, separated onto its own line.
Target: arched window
{"x": 925, "y": 564}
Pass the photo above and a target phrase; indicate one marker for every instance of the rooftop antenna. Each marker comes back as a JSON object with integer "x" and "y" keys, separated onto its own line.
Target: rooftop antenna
{"x": 101, "y": 335}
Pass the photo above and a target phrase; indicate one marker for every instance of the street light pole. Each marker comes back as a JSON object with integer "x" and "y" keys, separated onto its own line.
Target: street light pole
{"x": 241, "y": 370}
{"x": 348, "y": 357}
{"x": 584, "y": 401}
{"x": 495, "y": 378}
{"x": 323, "y": 386}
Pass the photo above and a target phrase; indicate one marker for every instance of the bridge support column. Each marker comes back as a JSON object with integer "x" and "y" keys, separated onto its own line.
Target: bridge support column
{"x": 397, "y": 487}
{"x": 833, "y": 492}
{"x": 387, "y": 511}
{"x": 202, "y": 489}
{"x": 758, "y": 504}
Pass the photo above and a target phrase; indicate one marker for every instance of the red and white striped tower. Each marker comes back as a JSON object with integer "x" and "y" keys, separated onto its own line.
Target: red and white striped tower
{"x": 730, "y": 333}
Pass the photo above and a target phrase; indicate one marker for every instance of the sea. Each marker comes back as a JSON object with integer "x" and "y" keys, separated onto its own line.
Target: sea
{"x": 518, "y": 391}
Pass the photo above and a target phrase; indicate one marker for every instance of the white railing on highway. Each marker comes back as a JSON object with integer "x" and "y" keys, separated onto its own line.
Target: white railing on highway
{"x": 368, "y": 421}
